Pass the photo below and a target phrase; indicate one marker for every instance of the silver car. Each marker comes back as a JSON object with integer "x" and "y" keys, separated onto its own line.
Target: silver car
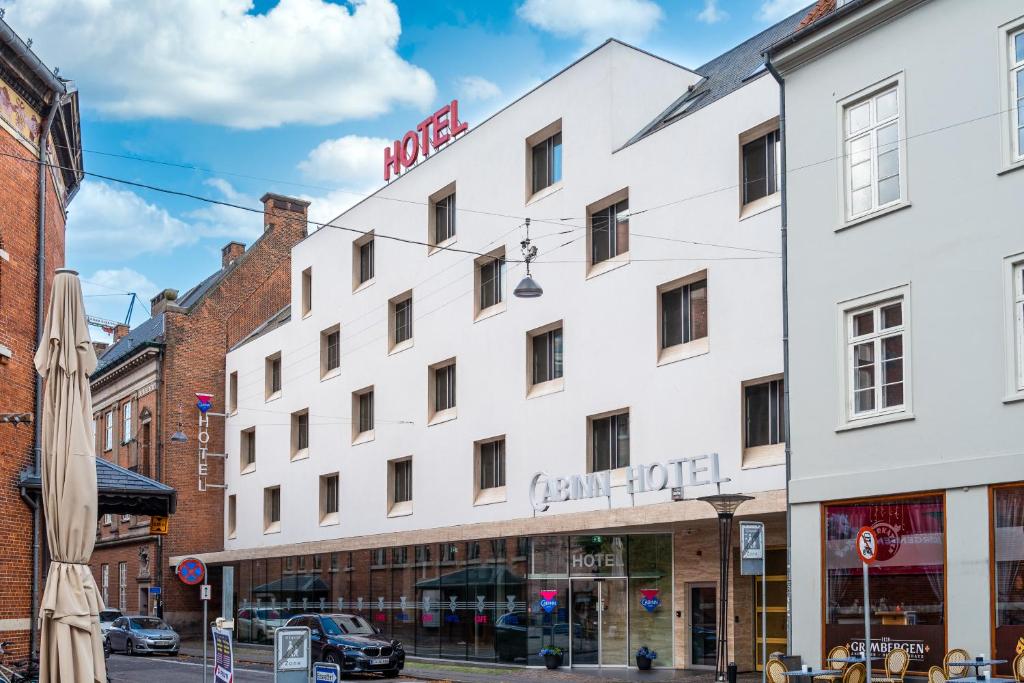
{"x": 140, "y": 634}
{"x": 107, "y": 617}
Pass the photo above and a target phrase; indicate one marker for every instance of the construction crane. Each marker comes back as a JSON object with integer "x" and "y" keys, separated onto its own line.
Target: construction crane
{"x": 109, "y": 325}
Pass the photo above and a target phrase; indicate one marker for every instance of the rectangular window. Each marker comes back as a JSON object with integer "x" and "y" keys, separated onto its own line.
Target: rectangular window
{"x": 271, "y": 509}
{"x": 873, "y": 154}
{"x": 401, "y": 321}
{"x": 232, "y": 516}
{"x": 300, "y": 434}
{"x": 233, "y": 392}
{"x": 329, "y": 499}
{"x": 761, "y": 167}
{"x": 763, "y": 410}
{"x": 108, "y": 435}
{"x": 684, "y": 313}
{"x": 330, "y": 351}
{"x": 609, "y": 442}
{"x": 273, "y": 376}
{"x": 307, "y": 291}
{"x": 122, "y": 586}
{"x": 105, "y": 583}
{"x": 248, "y": 449}
{"x": 366, "y": 262}
{"x": 402, "y": 492}
{"x": 1017, "y": 93}
{"x": 444, "y": 388}
{"x": 609, "y": 236}
{"x": 1008, "y": 571}
{"x": 546, "y": 162}
{"x": 444, "y": 219}
{"x": 366, "y": 412}
{"x": 875, "y": 359}
{"x": 547, "y": 356}
{"x": 126, "y": 427}
{"x": 1018, "y": 320}
{"x": 491, "y": 281}
{"x": 907, "y": 582}
{"x": 492, "y": 464}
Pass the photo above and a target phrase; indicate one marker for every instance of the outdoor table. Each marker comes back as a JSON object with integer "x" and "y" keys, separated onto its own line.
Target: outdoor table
{"x": 810, "y": 674}
{"x": 978, "y": 662}
{"x": 853, "y": 660}
{"x": 978, "y": 679}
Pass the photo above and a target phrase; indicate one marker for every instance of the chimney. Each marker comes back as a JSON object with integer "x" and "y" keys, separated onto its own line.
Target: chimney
{"x": 230, "y": 252}
{"x": 120, "y": 332}
{"x": 279, "y": 209}
{"x": 159, "y": 302}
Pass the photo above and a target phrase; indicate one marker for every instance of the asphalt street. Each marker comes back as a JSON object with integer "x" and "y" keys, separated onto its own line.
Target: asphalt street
{"x": 160, "y": 669}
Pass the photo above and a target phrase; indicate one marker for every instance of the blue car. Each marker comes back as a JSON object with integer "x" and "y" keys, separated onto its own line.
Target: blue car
{"x": 352, "y": 643}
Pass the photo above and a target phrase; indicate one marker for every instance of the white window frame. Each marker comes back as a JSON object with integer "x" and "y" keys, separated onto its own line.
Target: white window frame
{"x": 105, "y": 584}
{"x": 1013, "y": 268}
{"x": 870, "y": 94}
{"x": 122, "y": 586}
{"x": 126, "y": 423}
{"x": 1008, "y": 93}
{"x": 846, "y": 342}
{"x": 108, "y": 434}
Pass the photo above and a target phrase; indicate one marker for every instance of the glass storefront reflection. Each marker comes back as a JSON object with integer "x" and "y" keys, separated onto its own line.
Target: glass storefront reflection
{"x": 488, "y": 600}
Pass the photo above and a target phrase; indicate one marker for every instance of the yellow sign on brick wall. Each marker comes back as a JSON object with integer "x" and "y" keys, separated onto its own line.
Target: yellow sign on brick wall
{"x": 158, "y": 525}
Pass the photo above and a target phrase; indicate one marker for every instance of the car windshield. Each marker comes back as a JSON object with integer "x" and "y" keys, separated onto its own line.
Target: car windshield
{"x": 331, "y": 627}
{"x": 109, "y": 614}
{"x": 149, "y": 624}
{"x": 352, "y": 625}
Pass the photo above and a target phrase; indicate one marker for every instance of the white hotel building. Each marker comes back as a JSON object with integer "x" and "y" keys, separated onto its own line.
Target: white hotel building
{"x": 362, "y": 477}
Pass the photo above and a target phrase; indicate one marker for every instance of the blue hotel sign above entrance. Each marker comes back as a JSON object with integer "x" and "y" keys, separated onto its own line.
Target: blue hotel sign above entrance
{"x": 679, "y": 473}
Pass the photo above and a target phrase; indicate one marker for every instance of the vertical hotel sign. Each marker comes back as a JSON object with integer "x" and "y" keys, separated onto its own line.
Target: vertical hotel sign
{"x": 204, "y": 402}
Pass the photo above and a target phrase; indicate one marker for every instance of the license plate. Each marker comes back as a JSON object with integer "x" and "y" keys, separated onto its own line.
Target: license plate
{"x": 376, "y": 661}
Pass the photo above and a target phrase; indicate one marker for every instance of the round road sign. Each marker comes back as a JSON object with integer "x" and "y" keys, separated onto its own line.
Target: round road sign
{"x": 191, "y": 571}
{"x": 867, "y": 545}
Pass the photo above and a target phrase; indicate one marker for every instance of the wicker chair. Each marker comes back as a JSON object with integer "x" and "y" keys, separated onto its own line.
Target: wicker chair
{"x": 775, "y": 671}
{"x": 949, "y": 663}
{"x": 896, "y": 662}
{"x": 855, "y": 673}
{"x": 835, "y": 653}
{"x": 937, "y": 674}
{"x": 1018, "y": 668}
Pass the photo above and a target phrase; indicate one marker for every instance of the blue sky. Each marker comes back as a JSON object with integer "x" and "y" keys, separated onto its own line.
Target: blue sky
{"x": 295, "y": 96}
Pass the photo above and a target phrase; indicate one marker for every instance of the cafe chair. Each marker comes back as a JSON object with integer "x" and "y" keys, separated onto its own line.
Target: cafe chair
{"x": 951, "y": 660}
{"x": 896, "y": 662}
{"x": 837, "y": 652}
{"x": 775, "y": 671}
{"x": 855, "y": 673}
{"x": 1018, "y": 668}
{"x": 937, "y": 674}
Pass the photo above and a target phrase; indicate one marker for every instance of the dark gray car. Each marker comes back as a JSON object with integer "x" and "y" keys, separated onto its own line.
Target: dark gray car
{"x": 141, "y": 634}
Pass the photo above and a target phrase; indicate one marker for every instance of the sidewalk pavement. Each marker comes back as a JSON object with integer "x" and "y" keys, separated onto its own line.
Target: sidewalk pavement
{"x": 476, "y": 672}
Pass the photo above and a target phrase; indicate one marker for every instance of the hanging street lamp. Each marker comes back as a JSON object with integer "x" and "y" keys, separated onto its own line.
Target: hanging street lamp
{"x": 528, "y": 287}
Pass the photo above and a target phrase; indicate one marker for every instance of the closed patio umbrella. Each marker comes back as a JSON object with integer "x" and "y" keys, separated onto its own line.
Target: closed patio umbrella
{"x": 71, "y": 646}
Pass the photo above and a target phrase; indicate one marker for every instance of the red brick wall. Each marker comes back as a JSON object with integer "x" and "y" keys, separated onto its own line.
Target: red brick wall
{"x": 18, "y": 277}
{"x": 129, "y": 553}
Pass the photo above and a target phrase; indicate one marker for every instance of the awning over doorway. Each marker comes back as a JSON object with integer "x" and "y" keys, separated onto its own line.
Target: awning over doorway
{"x": 121, "y": 491}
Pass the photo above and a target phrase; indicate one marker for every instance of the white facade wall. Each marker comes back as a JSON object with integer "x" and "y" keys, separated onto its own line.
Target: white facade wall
{"x": 680, "y": 409}
{"x": 948, "y": 245}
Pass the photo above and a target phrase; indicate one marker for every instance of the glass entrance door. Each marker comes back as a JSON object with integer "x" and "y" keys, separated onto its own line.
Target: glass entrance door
{"x": 599, "y": 622}
{"x": 703, "y": 624}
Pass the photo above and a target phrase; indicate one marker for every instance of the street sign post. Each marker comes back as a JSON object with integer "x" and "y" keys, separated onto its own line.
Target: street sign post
{"x": 291, "y": 654}
{"x": 326, "y": 673}
{"x": 752, "y": 563}
{"x": 192, "y": 572}
{"x": 867, "y": 548}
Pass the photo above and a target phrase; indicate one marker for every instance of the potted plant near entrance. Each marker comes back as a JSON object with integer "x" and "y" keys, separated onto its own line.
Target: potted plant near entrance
{"x": 552, "y": 657}
{"x": 644, "y": 657}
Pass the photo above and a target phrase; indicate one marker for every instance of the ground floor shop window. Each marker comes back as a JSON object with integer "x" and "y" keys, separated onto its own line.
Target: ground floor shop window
{"x": 1008, "y": 568}
{"x": 907, "y": 582}
{"x": 775, "y": 605}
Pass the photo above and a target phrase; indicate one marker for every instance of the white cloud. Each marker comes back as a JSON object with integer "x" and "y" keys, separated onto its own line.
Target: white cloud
{"x": 100, "y": 291}
{"x": 216, "y": 220}
{"x": 348, "y": 159}
{"x": 477, "y": 88}
{"x": 106, "y": 222}
{"x": 594, "y": 20}
{"x": 775, "y": 10}
{"x": 303, "y": 61}
{"x": 712, "y": 13}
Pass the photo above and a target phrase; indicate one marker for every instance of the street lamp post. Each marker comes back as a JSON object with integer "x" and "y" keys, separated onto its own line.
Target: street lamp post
{"x": 725, "y": 505}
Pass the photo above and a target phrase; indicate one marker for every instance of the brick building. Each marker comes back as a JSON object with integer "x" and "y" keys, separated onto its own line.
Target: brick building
{"x": 34, "y": 105}
{"x": 144, "y": 392}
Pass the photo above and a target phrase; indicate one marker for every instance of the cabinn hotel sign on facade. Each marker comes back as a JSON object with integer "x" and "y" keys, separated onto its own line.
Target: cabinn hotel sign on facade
{"x": 696, "y": 471}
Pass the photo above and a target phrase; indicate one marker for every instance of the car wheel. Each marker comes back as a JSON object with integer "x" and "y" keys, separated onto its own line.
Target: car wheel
{"x": 129, "y": 647}
{"x": 333, "y": 658}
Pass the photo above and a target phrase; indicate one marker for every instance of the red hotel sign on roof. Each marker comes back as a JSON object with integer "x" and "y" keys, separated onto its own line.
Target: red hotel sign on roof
{"x": 431, "y": 133}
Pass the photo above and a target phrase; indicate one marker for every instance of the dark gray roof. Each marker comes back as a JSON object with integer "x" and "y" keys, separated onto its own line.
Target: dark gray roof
{"x": 726, "y": 73}
{"x": 271, "y": 323}
{"x": 149, "y": 333}
{"x": 122, "y": 491}
{"x": 196, "y": 293}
